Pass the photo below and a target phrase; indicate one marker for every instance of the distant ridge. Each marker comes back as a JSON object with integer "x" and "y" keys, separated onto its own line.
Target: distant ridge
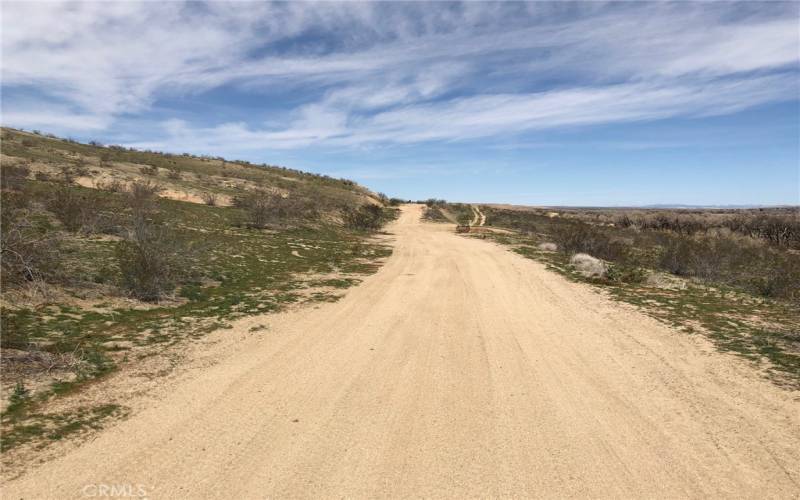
{"x": 656, "y": 206}
{"x": 678, "y": 206}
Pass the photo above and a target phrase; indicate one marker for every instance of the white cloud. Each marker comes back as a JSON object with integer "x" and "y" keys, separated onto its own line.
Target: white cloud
{"x": 393, "y": 72}
{"x": 487, "y": 115}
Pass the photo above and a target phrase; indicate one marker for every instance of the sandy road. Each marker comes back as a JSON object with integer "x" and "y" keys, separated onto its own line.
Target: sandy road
{"x": 458, "y": 369}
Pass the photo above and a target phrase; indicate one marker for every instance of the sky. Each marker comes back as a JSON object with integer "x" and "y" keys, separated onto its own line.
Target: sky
{"x": 537, "y": 103}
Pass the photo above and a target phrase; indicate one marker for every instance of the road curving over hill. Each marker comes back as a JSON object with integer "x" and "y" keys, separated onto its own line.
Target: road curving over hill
{"x": 459, "y": 369}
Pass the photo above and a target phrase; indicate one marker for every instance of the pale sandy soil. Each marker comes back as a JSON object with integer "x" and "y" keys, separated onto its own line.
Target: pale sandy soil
{"x": 481, "y": 216}
{"x": 479, "y": 219}
{"x": 459, "y": 369}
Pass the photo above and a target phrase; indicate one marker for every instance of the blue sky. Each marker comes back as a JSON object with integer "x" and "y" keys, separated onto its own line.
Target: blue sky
{"x": 527, "y": 103}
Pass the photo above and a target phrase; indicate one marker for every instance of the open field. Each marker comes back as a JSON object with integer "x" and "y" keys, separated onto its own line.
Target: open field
{"x": 507, "y": 380}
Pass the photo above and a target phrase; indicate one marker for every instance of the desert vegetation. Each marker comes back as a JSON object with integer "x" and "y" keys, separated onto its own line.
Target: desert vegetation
{"x": 755, "y": 251}
{"x": 108, "y": 251}
{"x": 439, "y": 210}
{"x": 733, "y": 275}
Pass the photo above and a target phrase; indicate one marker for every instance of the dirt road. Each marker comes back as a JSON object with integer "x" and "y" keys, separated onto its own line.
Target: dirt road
{"x": 480, "y": 218}
{"x": 459, "y": 369}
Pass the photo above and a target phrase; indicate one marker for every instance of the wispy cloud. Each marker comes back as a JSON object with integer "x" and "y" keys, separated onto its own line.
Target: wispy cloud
{"x": 390, "y": 73}
{"x": 486, "y": 115}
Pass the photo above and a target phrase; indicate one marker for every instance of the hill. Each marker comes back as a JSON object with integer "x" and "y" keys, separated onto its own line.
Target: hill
{"x": 110, "y": 255}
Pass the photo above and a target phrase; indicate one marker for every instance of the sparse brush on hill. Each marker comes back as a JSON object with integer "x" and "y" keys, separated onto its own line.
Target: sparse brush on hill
{"x": 461, "y": 211}
{"x": 435, "y": 202}
{"x": 367, "y": 217}
{"x": 464, "y": 218}
{"x": 29, "y": 252}
{"x": 113, "y": 185}
{"x": 267, "y": 209}
{"x": 130, "y": 237}
{"x": 151, "y": 260}
{"x": 210, "y": 199}
{"x": 12, "y": 177}
{"x": 434, "y": 214}
{"x": 76, "y": 209}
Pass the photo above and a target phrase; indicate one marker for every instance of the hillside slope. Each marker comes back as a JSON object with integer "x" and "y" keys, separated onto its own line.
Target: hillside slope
{"x": 183, "y": 177}
{"x": 109, "y": 256}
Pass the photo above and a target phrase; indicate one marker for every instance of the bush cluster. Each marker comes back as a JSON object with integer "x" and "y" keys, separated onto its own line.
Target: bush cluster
{"x": 367, "y": 217}
{"x": 267, "y": 209}
{"x": 151, "y": 261}
{"x": 80, "y": 210}
{"x": 777, "y": 229}
{"x": 12, "y": 177}
{"x": 28, "y": 251}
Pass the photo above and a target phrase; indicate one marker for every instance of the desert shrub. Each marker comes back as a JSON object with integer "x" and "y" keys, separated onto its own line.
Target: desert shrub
{"x": 67, "y": 174}
{"x": 395, "y": 202}
{"x": 738, "y": 262}
{"x": 464, "y": 218}
{"x": 83, "y": 210}
{"x": 209, "y": 198}
{"x": 42, "y": 176}
{"x": 626, "y": 273}
{"x": 677, "y": 256}
{"x": 241, "y": 200}
{"x": 142, "y": 197}
{"x": 151, "y": 170}
{"x": 76, "y": 209}
{"x": 265, "y": 209}
{"x": 745, "y": 250}
{"x": 624, "y": 221}
{"x": 677, "y": 223}
{"x": 79, "y": 169}
{"x": 578, "y": 237}
{"x": 113, "y": 185}
{"x": 367, "y": 217}
{"x": 573, "y": 238}
{"x": 527, "y": 227}
{"x": 548, "y": 247}
{"x": 781, "y": 279}
{"x": 151, "y": 261}
{"x": 105, "y": 158}
{"x": 777, "y": 229}
{"x": 174, "y": 174}
{"x": 434, "y": 214}
{"x": 28, "y": 252}
{"x": 527, "y": 223}
{"x": 716, "y": 259}
{"x": 434, "y": 202}
{"x": 12, "y": 177}
{"x": 588, "y": 266}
